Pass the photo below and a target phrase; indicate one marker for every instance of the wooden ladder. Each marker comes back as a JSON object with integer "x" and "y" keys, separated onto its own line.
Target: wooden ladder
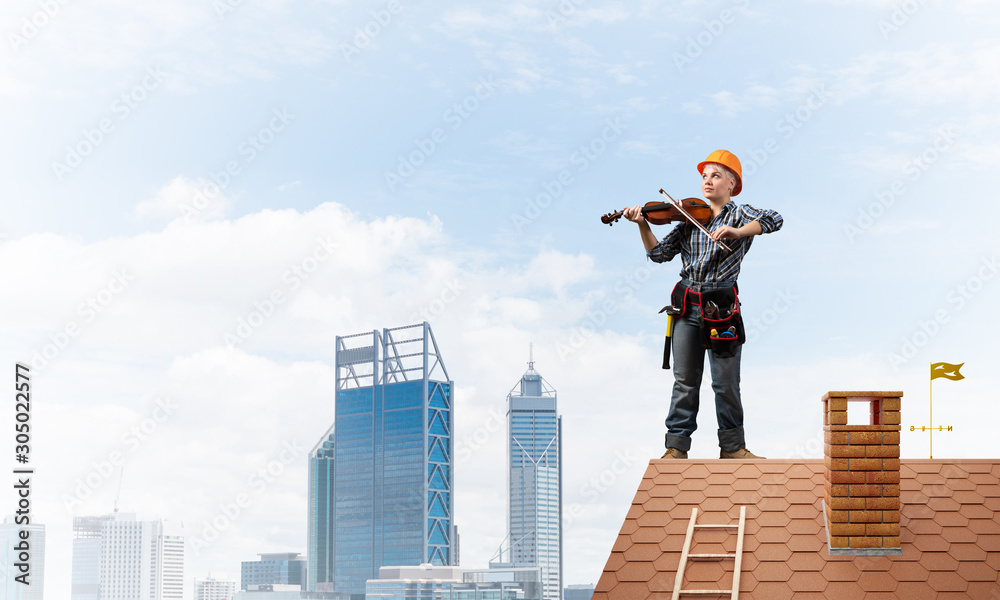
{"x": 685, "y": 555}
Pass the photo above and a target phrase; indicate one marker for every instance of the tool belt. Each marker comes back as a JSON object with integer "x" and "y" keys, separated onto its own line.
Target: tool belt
{"x": 720, "y": 320}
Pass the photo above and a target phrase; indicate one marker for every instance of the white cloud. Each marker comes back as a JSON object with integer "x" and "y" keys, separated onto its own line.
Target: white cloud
{"x": 754, "y": 96}
{"x": 935, "y": 74}
{"x": 195, "y": 42}
{"x": 529, "y": 66}
{"x": 199, "y": 199}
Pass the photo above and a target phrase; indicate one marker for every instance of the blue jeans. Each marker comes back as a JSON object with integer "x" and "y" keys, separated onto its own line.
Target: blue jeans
{"x": 689, "y": 364}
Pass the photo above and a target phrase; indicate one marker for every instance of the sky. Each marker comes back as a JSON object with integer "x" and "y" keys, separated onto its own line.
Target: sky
{"x": 200, "y": 196}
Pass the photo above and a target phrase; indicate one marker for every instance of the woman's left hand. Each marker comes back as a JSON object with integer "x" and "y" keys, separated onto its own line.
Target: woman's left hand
{"x": 733, "y": 233}
{"x": 725, "y": 232}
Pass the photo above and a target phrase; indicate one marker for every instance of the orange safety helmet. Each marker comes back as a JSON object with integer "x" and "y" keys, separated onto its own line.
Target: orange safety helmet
{"x": 728, "y": 159}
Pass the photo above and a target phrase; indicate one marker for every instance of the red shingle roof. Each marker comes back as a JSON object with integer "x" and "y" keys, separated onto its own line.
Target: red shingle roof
{"x": 950, "y": 533}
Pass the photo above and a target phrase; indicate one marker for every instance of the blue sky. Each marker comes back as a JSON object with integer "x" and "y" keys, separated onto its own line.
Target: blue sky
{"x": 167, "y": 168}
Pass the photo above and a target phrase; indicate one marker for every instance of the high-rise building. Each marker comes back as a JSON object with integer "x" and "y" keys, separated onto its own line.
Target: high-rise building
{"x": 578, "y": 592}
{"x": 320, "y": 500}
{"x": 286, "y": 568}
{"x": 535, "y": 480}
{"x": 32, "y": 584}
{"x": 116, "y": 557}
{"x": 87, "y": 540}
{"x": 215, "y": 588}
{"x": 380, "y": 493}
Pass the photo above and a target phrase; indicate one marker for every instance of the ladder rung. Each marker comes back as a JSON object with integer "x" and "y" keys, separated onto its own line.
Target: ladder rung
{"x": 713, "y": 592}
{"x": 711, "y": 556}
{"x": 717, "y": 526}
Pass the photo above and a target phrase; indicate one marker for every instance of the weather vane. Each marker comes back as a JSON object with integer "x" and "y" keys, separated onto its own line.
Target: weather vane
{"x": 948, "y": 371}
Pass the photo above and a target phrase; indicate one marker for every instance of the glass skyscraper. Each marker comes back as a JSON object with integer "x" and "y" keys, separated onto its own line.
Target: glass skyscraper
{"x": 535, "y": 480}
{"x": 380, "y": 488}
{"x": 319, "y": 551}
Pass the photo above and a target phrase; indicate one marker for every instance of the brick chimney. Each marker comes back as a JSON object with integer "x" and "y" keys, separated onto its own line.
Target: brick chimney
{"x": 861, "y": 503}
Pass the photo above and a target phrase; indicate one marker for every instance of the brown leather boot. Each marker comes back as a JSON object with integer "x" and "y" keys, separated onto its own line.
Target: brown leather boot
{"x": 741, "y": 453}
{"x": 674, "y": 453}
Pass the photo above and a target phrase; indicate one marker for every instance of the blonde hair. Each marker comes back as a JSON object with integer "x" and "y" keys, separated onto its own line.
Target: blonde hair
{"x": 725, "y": 171}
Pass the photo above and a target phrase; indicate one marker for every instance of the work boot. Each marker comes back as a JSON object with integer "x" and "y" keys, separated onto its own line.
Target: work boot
{"x": 674, "y": 453}
{"x": 741, "y": 453}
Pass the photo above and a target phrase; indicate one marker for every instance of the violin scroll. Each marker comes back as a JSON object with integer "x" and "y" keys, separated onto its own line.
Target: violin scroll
{"x": 612, "y": 217}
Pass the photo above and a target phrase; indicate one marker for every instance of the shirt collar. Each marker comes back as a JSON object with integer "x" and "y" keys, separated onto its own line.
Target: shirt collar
{"x": 725, "y": 210}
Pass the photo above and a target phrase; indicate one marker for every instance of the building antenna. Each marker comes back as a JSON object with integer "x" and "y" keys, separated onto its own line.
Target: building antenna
{"x": 531, "y": 354}
{"x": 121, "y": 476}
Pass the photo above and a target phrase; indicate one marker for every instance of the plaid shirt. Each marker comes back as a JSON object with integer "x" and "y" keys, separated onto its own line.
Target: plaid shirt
{"x": 704, "y": 260}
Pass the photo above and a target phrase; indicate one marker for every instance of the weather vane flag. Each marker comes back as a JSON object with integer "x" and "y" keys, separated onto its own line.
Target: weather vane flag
{"x": 948, "y": 371}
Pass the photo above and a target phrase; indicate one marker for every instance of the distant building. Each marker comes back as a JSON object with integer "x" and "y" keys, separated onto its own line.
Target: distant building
{"x": 320, "y": 517}
{"x": 380, "y": 491}
{"x": 277, "y": 591}
{"x": 87, "y": 541}
{"x": 282, "y": 568}
{"x": 127, "y": 558}
{"x": 423, "y": 582}
{"x": 10, "y": 538}
{"x": 535, "y": 478}
{"x": 501, "y": 581}
{"x": 578, "y": 592}
{"x": 430, "y": 582}
{"x": 215, "y": 588}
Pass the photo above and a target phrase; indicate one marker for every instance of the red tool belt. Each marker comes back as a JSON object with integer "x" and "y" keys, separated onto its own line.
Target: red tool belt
{"x": 720, "y": 319}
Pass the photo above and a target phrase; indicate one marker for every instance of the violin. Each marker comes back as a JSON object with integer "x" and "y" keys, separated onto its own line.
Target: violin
{"x": 661, "y": 213}
{"x": 693, "y": 210}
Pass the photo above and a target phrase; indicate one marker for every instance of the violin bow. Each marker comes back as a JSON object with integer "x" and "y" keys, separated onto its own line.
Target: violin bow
{"x": 694, "y": 221}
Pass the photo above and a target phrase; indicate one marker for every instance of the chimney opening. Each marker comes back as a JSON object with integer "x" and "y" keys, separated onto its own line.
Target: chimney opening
{"x": 858, "y": 413}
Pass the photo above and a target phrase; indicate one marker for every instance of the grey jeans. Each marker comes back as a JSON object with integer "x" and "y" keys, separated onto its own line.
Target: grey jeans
{"x": 689, "y": 365}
